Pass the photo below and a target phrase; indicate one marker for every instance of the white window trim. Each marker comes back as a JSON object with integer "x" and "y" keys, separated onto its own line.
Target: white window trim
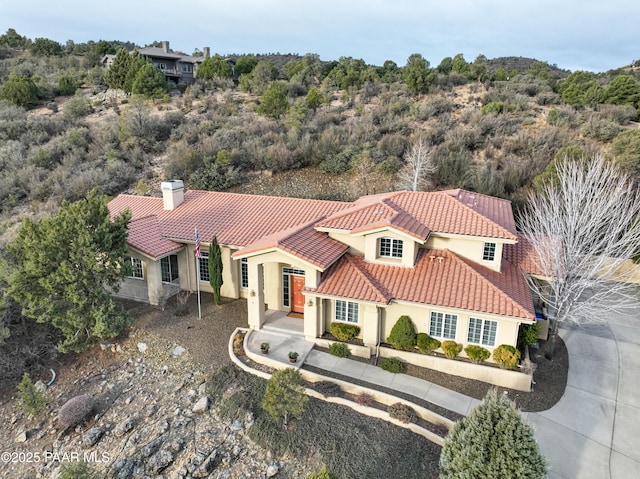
{"x": 287, "y": 272}
{"x": 349, "y": 307}
{"x": 167, "y": 258}
{"x": 131, "y": 260}
{"x": 440, "y": 334}
{"x": 204, "y": 256}
{"x": 244, "y": 266}
{"x": 493, "y": 253}
{"x": 484, "y": 324}
{"x": 393, "y": 242}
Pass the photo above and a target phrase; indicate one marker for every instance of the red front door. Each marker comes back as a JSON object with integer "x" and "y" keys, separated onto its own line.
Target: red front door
{"x": 297, "y": 298}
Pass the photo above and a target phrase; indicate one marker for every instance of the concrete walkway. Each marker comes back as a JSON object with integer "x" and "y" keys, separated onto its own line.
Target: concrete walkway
{"x": 593, "y": 432}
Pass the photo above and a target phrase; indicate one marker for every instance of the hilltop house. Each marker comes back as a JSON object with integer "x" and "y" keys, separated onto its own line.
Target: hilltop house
{"x": 451, "y": 260}
{"x": 176, "y": 67}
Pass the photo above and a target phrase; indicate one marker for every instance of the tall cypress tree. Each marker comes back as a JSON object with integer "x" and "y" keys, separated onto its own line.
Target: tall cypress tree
{"x": 215, "y": 269}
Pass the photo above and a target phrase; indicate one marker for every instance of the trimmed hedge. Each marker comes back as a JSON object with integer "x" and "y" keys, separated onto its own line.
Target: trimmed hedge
{"x": 426, "y": 343}
{"x": 344, "y": 331}
{"x": 340, "y": 350}
{"x": 403, "y": 334}
{"x": 506, "y": 356}
{"x": 393, "y": 365}
{"x": 451, "y": 349}
{"x": 477, "y": 354}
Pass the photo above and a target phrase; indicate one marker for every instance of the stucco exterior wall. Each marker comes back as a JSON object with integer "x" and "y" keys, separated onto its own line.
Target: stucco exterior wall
{"x": 356, "y": 243}
{"x": 371, "y": 252}
{"x": 470, "y": 248}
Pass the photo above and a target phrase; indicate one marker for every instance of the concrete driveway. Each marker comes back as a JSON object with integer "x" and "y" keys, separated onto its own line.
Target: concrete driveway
{"x": 594, "y": 430}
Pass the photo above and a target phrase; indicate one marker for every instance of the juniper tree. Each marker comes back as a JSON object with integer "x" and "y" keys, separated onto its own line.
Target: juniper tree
{"x": 62, "y": 267}
{"x": 493, "y": 441}
{"x": 215, "y": 269}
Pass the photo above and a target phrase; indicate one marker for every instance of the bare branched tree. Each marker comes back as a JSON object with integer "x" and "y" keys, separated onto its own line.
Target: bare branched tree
{"x": 419, "y": 165}
{"x": 583, "y": 229}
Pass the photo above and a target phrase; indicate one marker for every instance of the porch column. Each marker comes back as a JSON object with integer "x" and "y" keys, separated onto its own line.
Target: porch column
{"x": 255, "y": 299}
{"x": 154, "y": 283}
{"x": 312, "y": 320}
{"x": 371, "y": 319}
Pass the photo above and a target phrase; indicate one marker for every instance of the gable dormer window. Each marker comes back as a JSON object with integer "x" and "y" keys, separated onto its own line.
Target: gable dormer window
{"x": 390, "y": 248}
{"x": 489, "y": 252}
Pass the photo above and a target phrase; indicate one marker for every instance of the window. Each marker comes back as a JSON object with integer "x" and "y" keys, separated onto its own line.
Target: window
{"x": 169, "y": 267}
{"x": 391, "y": 248}
{"x": 346, "y": 311}
{"x": 482, "y": 331}
{"x": 186, "y": 68}
{"x": 244, "y": 273}
{"x": 204, "y": 266}
{"x": 161, "y": 66}
{"x": 136, "y": 268}
{"x": 489, "y": 252}
{"x": 443, "y": 325}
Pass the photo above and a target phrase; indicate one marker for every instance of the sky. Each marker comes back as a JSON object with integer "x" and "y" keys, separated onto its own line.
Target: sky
{"x": 572, "y": 34}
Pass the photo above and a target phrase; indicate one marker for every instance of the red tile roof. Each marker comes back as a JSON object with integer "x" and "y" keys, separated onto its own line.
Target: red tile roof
{"x": 524, "y": 256}
{"x": 418, "y": 213}
{"x": 301, "y": 241}
{"x": 439, "y": 278}
{"x": 144, "y": 235}
{"x": 235, "y": 219}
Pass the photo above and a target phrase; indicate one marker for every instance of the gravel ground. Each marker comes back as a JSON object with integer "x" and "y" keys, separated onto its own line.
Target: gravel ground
{"x": 207, "y": 341}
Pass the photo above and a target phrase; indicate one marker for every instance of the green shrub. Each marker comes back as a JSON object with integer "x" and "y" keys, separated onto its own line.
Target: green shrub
{"x": 393, "y": 365}
{"x": 477, "y": 354}
{"x": 322, "y": 474}
{"x": 426, "y": 343}
{"x": 340, "y": 349}
{"x": 75, "y": 410}
{"x": 451, "y": 349}
{"x": 402, "y": 412}
{"x": 493, "y": 107}
{"x": 77, "y": 470}
{"x": 284, "y": 395}
{"x": 344, "y": 331}
{"x": 30, "y": 399}
{"x": 506, "y": 356}
{"x": 528, "y": 334}
{"x": 403, "y": 334}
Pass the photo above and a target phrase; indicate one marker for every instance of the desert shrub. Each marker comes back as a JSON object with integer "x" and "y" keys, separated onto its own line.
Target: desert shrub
{"x": 493, "y": 107}
{"x": 75, "y": 410}
{"x": 548, "y": 98}
{"x": 403, "y": 334}
{"x": 426, "y": 343}
{"x": 322, "y": 474}
{"x": 77, "y": 107}
{"x": 451, "y": 349}
{"x": 561, "y": 117}
{"x": 344, "y": 331}
{"x": 402, "y": 412}
{"x": 364, "y": 399}
{"x": 528, "y": 334}
{"x": 339, "y": 349}
{"x": 30, "y": 399}
{"x": 77, "y": 470}
{"x": 620, "y": 114}
{"x": 284, "y": 395}
{"x": 477, "y": 354}
{"x": 600, "y": 129}
{"x": 433, "y": 107}
{"x": 506, "y": 356}
{"x": 393, "y": 365}
{"x": 328, "y": 389}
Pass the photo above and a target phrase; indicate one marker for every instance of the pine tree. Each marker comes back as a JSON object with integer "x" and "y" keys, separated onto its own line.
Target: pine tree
{"x": 117, "y": 73}
{"x": 215, "y": 269}
{"x": 30, "y": 399}
{"x": 493, "y": 441}
{"x": 284, "y": 396}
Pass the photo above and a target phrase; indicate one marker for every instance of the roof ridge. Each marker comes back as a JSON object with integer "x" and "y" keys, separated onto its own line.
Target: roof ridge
{"x": 365, "y": 275}
{"x": 296, "y": 229}
{"x": 250, "y": 195}
{"x": 478, "y": 214}
{"x": 470, "y": 267}
{"x": 474, "y": 193}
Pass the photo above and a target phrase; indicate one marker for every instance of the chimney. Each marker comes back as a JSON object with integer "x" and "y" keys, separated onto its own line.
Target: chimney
{"x": 206, "y": 51}
{"x": 172, "y": 194}
{"x": 165, "y": 46}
